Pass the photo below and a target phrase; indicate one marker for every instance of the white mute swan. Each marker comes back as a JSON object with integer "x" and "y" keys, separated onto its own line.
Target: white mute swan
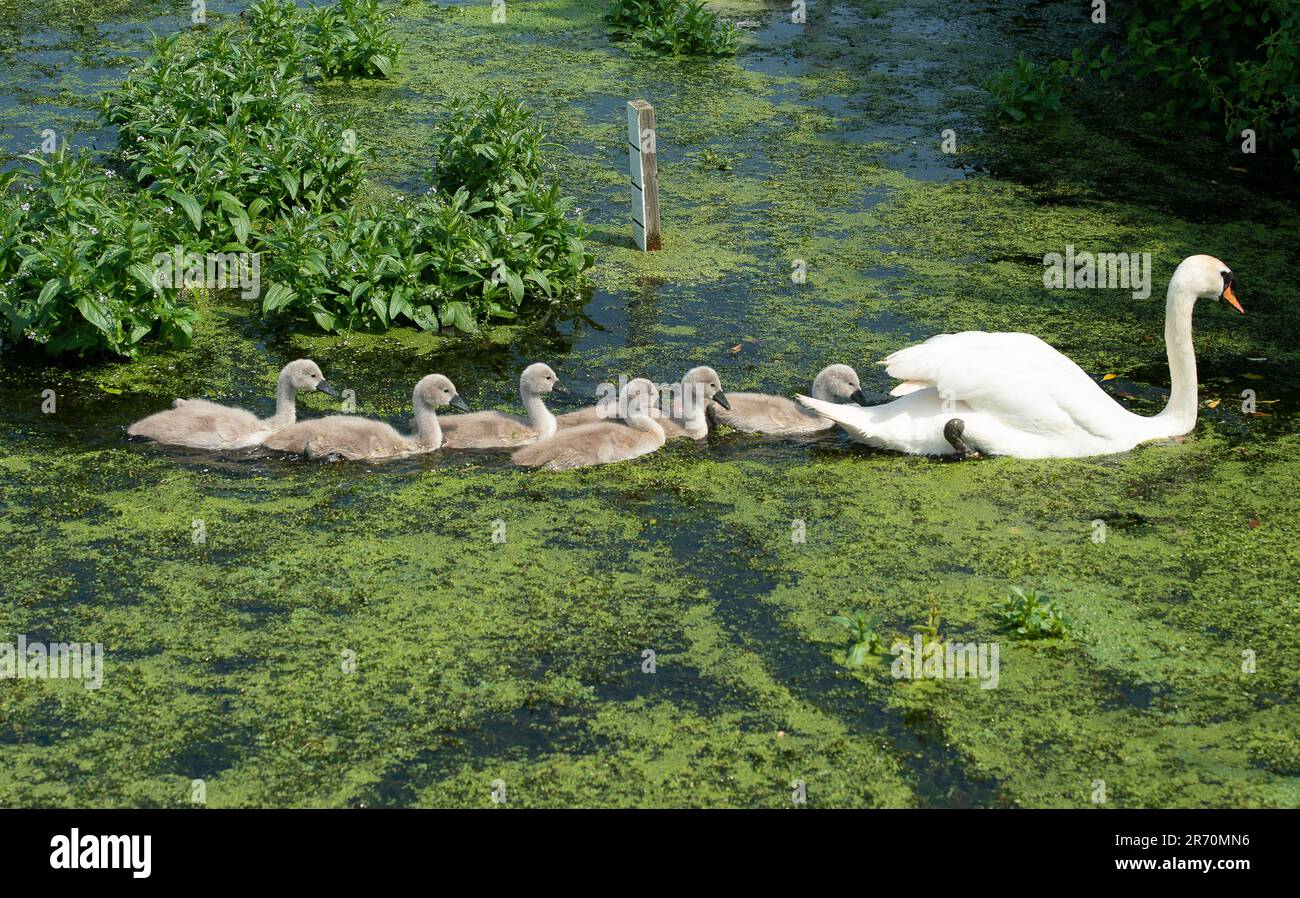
{"x": 348, "y": 436}
{"x": 1012, "y": 394}
{"x": 611, "y": 440}
{"x": 206, "y": 425}
{"x": 497, "y": 430}
{"x": 763, "y": 413}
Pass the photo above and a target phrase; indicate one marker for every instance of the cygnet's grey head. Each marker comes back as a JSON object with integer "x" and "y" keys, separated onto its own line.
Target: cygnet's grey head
{"x": 538, "y": 379}
{"x": 304, "y": 376}
{"x": 838, "y": 383}
{"x": 434, "y": 391}
{"x": 709, "y": 386}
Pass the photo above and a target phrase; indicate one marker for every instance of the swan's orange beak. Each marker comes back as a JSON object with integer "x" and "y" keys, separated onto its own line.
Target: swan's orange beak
{"x": 1232, "y": 299}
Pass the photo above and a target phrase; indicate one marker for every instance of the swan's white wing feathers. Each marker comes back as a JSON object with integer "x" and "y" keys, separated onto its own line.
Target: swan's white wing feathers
{"x": 1019, "y": 379}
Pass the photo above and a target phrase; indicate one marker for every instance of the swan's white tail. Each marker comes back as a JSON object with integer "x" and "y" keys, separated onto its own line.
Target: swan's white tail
{"x": 855, "y": 419}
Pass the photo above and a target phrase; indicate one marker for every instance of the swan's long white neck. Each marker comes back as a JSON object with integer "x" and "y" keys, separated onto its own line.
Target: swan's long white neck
{"x": 540, "y": 418}
{"x": 428, "y": 432}
{"x": 1179, "y": 415}
{"x": 284, "y": 402}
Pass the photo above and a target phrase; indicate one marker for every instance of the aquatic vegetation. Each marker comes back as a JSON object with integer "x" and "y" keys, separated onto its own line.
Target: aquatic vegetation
{"x": 489, "y": 145}
{"x": 1028, "y": 90}
{"x": 353, "y": 37}
{"x": 76, "y": 261}
{"x": 711, "y": 160}
{"x": 488, "y": 239}
{"x": 225, "y": 131}
{"x": 1032, "y": 614}
{"x": 680, "y": 27}
{"x": 864, "y": 641}
{"x": 1241, "y": 60}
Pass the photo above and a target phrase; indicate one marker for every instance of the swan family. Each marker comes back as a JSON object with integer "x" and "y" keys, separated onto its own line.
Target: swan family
{"x": 960, "y": 395}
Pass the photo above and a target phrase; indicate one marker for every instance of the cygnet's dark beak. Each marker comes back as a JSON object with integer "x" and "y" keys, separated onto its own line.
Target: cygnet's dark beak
{"x": 559, "y": 388}
{"x": 327, "y": 389}
{"x": 459, "y": 404}
{"x": 721, "y": 399}
{"x": 859, "y": 397}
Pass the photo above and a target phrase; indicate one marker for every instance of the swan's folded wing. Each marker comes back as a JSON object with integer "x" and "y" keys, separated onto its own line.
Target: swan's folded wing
{"x": 1018, "y": 378}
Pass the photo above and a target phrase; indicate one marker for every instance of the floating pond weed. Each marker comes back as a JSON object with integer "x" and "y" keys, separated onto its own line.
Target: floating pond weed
{"x": 864, "y": 641}
{"x": 1032, "y": 614}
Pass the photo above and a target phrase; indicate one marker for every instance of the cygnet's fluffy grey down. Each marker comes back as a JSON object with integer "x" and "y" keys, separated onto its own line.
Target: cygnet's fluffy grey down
{"x": 497, "y": 430}
{"x": 351, "y": 437}
{"x": 206, "y": 425}
{"x": 685, "y": 416}
{"x": 636, "y": 434}
{"x": 764, "y": 413}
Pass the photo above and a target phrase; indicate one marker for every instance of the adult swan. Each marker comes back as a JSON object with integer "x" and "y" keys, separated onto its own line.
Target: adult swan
{"x": 1012, "y": 394}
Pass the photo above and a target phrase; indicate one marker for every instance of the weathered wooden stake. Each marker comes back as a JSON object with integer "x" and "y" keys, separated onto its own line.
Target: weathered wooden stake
{"x": 645, "y": 175}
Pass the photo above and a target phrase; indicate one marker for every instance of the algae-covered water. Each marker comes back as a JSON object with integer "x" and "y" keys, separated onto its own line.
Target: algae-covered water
{"x": 447, "y": 630}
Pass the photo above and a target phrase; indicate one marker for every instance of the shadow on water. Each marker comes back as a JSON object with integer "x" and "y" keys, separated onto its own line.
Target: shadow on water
{"x": 730, "y": 567}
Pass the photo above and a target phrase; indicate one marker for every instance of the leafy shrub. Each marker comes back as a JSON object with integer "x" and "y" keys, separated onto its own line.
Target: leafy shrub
{"x": 1239, "y": 59}
{"x": 1031, "y": 614}
{"x": 76, "y": 261}
{"x": 681, "y": 27}
{"x": 226, "y": 133}
{"x": 491, "y": 147}
{"x": 1028, "y": 90}
{"x": 352, "y": 38}
{"x": 225, "y": 152}
{"x": 434, "y": 262}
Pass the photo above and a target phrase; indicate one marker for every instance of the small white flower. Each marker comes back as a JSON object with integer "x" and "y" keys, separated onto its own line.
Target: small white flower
{"x": 94, "y": 230}
{"x": 25, "y": 207}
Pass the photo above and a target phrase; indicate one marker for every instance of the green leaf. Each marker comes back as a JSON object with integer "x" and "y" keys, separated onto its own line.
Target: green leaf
{"x": 49, "y": 291}
{"x": 277, "y": 297}
{"x": 92, "y": 312}
{"x": 190, "y": 205}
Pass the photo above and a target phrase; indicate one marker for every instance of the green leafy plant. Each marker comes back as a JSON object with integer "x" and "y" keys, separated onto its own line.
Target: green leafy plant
{"x": 1028, "y": 90}
{"x": 1031, "y": 614}
{"x": 711, "y": 160}
{"x": 225, "y": 133}
{"x": 864, "y": 641}
{"x": 437, "y": 261}
{"x": 679, "y": 27}
{"x": 76, "y": 261}
{"x": 491, "y": 146}
{"x": 352, "y": 38}
{"x": 1239, "y": 61}
{"x": 929, "y": 633}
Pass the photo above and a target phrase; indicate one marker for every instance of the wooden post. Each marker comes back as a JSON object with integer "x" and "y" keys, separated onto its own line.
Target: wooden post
{"x": 645, "y": 176}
